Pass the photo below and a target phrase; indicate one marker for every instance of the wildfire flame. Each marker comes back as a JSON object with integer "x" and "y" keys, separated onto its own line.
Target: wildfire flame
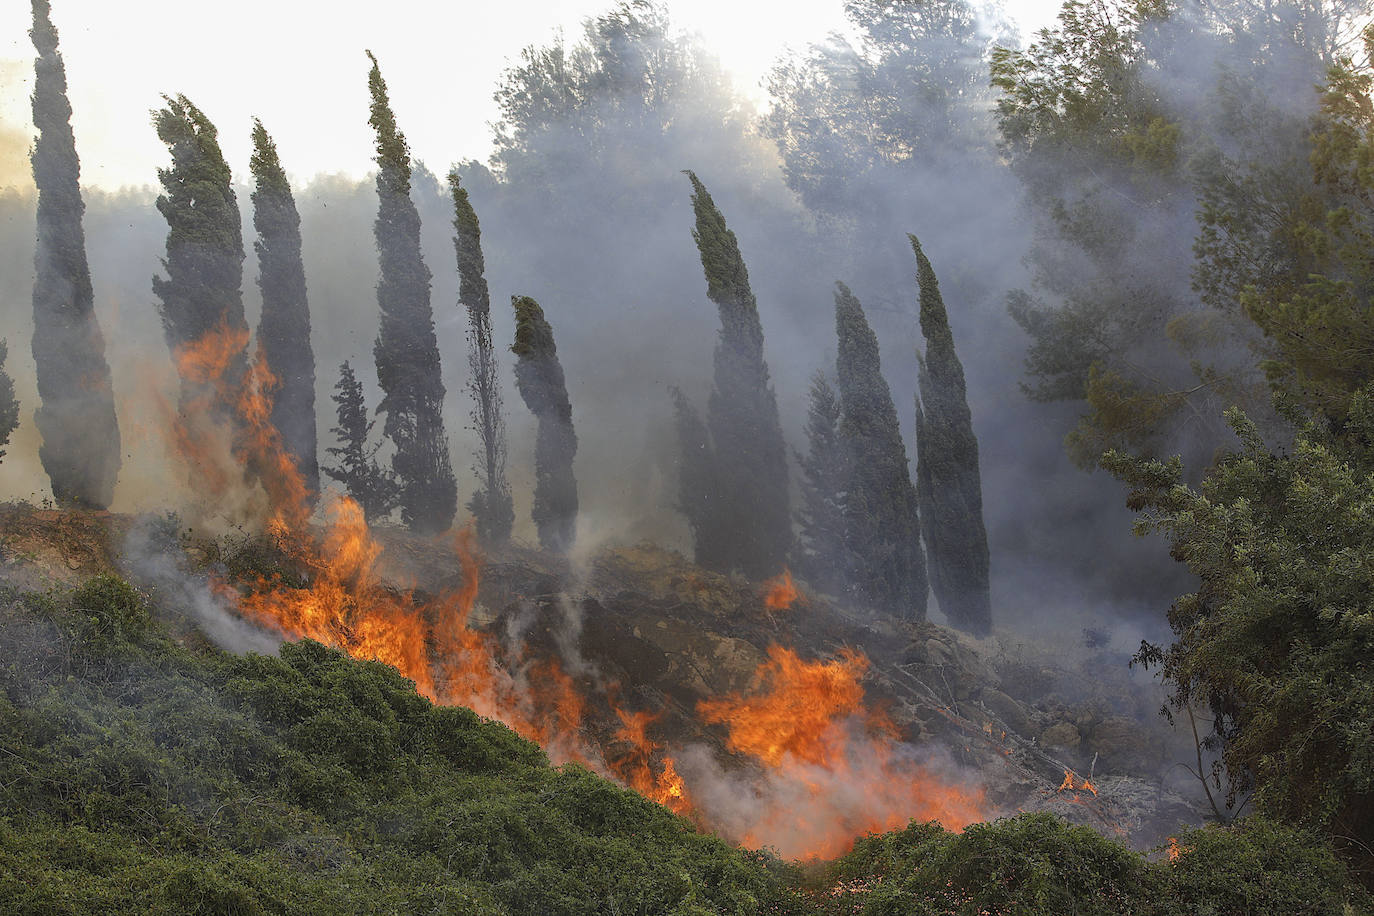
{"x": 1082, "y": 784}
{"x": 834, "y": 766}
{"x": 780, "y": 592}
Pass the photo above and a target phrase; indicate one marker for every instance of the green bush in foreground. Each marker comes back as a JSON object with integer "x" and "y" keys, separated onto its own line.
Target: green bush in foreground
{"x": 139, "y": 776}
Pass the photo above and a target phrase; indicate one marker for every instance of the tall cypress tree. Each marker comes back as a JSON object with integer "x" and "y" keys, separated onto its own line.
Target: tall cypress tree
{"x": 202, "y": 296}
{"x": 407, "y": 351}
{"x": 882, "y": 528}
{"x": 539, "y": 377}
{"x": 76, "y": 415}
{"x": 947, "y": 455}
{"x": 284, "y": 329}
{"x": 742, "y": 413}
{"x": 698, "y": 490}
{"x": 825, "y": 480}
{"x": 491, "y": 505}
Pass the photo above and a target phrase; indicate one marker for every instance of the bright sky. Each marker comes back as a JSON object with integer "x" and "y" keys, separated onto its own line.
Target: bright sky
{"x": 299, "y": 65}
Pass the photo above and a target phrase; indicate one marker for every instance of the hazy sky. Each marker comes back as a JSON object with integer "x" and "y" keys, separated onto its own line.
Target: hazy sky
{"x": 299, "y": 65}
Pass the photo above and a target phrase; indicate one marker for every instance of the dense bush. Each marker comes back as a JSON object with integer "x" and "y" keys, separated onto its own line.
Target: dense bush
{"x": 140, "y": 776}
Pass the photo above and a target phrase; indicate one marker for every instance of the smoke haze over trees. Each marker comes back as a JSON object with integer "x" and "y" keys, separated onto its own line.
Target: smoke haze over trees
{"x": 76, "y": 415}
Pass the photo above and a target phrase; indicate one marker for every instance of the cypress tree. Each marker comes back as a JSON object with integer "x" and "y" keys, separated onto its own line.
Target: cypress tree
{"x": 882, "y": 529}
{"x": 9, "y": 404}
{"x": 825, "y": 478}
{"x": 407, "y": 351}
{"x": 367, "y": 482}
{"x": 742, "y": 413}
{"x": 201, "y": 301}
{"x": 951, "y": 489}
{"x": 491, "y": 505}
{"x": 284, "y": 329}
{"x": 539, "y": 377}
{"x": 698, "y": 489}
{"x": 76, "y": 413}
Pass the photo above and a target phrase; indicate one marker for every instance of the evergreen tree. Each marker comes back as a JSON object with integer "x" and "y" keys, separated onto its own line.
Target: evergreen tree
{"x": 491, "y": 505}
{"x": 742, "y": 413}
{"x": 9, "y": 405}
{"x": 882, "y": 528}
{"x": 407, "y": 351}
{"x": 367, "y": 482}
{"x": 202, "y": 296}
{"x": 76, "y": 413}
{"x": 284, "y": 329}
{"x": 698, "y": 489}
{"x": 947, "y": 468}
{"x": 539, "y": 376}
{"x": 825, "y": 478}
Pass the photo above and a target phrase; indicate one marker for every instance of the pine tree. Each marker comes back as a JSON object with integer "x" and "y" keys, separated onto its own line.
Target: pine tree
{"x": 367, "y": 482}
{"x": 491, "y": 505}
{"x": 284, "y": 329}
{"x": 742, "y": 413}
{"x": 202, "y": 297}
{"x": 825, "y": 478}
{"x": 947, "y": 456}
{"x": 539, "y": 376}
{"x": 698, "y": 489}
{"x": 9, "y": 405}
{"x": 407, "y": 351}
{"x": 76, "y": 413}
{"x": 882, "y": 528}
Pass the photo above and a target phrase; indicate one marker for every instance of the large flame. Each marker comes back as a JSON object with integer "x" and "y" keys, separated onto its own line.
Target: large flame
{"x": 834, "y": 769}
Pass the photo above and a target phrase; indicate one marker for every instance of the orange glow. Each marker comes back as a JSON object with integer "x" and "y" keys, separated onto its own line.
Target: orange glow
{"x": 833, "y": 769}
{"x": 635, "y": 767}
{"x": 1173, "y": 849}
{"x": 1067, "y": 783}
{"x": 1087, "y": 784}
{"x": 780, "y": 592}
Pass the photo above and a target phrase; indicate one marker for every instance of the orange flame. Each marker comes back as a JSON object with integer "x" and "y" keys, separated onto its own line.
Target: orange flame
{"x": 1067, "y": 783}
{"x": 780, "y": 592}
{"x": 1173, "y": 849}
{"x": 635, "y": 766}
{"x": 833, "y": 767}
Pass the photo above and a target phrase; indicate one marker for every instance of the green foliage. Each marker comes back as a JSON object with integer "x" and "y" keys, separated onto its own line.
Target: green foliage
{"x": 81, "y": 451}
{"x": 539, "y": 376}
{"x": 949, "y": 480}
{"x": 1037, "y": 865}
{"x": 284, "y": 328}
{"x": 368, "y": 484}
{"x": 742, "y": 412}
{"x": 9, "y": 404}
{"x": 202, "y": 293}
{"x": 1278, "y": 639}
{"x": 882, "y": 528}
{"x": 407, "y": 350}
{"x": 491, "y": 505}
{"x": 136, "y": 775}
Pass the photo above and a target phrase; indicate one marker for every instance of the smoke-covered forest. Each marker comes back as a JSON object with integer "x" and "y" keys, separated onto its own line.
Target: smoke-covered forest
{"x": 942, "y": 486}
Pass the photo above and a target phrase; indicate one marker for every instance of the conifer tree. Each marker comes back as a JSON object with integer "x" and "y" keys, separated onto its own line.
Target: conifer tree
{"x": 491, "y": 505}
{"x": 284, "y": 329}
{"x": 407, "y": 350}
{"x": 951, "y": 488}
{"x": 698, "y": 489}
{"x": 742, "y": 413}
{"x": 203, "y": 292}
{"x": 9, "y": 405}
{"x": 366, "y": 482}
{"x": 825, "y": 478}
{"x": 539, "y": 377}
{"x": 76, "y": 413}
{"x": 882, "y": 529}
